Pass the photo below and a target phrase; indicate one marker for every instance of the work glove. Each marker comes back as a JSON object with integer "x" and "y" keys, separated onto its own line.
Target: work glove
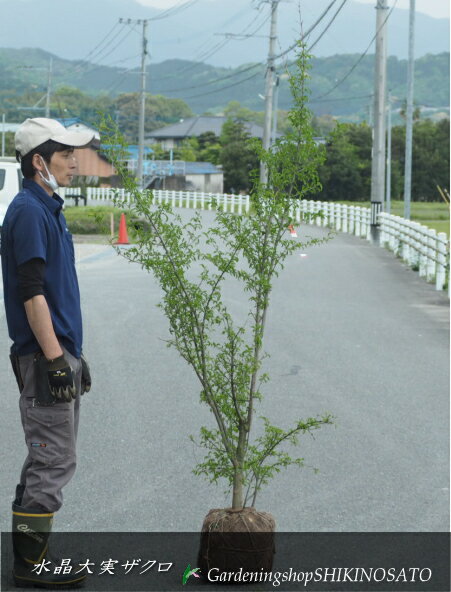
{"x": 61, "y": 379}
{"x": 85, "y": 376}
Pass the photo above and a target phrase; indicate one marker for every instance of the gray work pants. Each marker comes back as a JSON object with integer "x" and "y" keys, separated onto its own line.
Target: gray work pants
{"x": 50, "y": 435}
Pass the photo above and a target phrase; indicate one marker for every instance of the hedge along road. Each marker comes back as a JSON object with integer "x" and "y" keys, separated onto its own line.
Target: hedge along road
{"x": 350, "y": 331}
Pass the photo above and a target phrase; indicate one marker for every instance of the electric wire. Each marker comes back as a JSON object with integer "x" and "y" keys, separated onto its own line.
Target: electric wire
{"x": 211, "y": 92}
{"x": 215, "y": 80}
{"x": 359, "y": 60}
{"x": 210, "y": 52}
{"x": 102, "y": 55}
{"x": 100, "y": 43}
{"x": 315, "y": 24}
{"x": 100, "y": 66}
{"x": 129, "y": 32}
{"x": 328, "y": 26}
{"x": 340, "y": 99}
{"x": 173, "y": 10}
{"x": 259, "y": 64}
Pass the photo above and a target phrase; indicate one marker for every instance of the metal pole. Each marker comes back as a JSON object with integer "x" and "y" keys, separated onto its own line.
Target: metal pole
{"x": 142, "y": 107}
{"x": 409, "y": 115}
{"x": 3, "y": 134}
{"x": 269, "y": 87}
{"x": 49, "y": 88}
{"x": 275, "y": 109}
{"x": 378, "y": 158}
{"x": 388, "y": 179}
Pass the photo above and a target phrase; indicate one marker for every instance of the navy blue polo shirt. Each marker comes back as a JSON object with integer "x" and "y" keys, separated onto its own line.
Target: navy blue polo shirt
{"x": 35, "y": 227}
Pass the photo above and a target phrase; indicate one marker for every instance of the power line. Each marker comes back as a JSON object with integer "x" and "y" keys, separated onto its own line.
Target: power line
{"x": 211, "y": 92}
{"x": 129, "y": 31}
{"x": 340, "y": 99}
{"x": 173, "y": 10}
{"x": 100, "y": 43}
{"x": 315, "y": 24}
{"x": 208, "y": 53}
{"x": 213, "y": 81}
{"x": 100, "y": 66}
{"x": 360, "y": 58}
{"x": 327, "y": 27}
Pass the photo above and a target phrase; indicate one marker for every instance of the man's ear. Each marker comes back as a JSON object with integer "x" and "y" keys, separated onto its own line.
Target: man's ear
{"x": 36, "y": 161}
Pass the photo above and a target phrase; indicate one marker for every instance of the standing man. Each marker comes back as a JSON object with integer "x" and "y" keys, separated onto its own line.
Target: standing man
{"x": 42, "y": 303}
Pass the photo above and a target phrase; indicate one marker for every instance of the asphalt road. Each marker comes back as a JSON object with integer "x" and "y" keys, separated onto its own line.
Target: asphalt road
{"x": 351, "y": 331}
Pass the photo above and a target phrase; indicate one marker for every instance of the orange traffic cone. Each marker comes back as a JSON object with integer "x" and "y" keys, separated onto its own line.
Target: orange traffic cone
{"x": 123, "y": 236}
{"x": 293, "y": 232}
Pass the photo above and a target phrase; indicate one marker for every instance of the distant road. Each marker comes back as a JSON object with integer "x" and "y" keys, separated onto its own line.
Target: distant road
{"x": 351, "y": 331}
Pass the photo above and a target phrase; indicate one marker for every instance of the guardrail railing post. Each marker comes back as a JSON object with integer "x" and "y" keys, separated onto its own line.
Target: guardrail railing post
{"x": 415, "y": 251}
{"x": 326, "y": 214}
{"x": 431, "y": 253}
{"x": 351, "y": 219}
{"x": 358, "y": 227}
{"x": 440, "y": 276}
{"x": 345, "y": 214}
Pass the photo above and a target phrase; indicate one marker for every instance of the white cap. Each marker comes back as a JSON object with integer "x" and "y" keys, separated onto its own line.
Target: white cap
{"x": 34, "y": 132}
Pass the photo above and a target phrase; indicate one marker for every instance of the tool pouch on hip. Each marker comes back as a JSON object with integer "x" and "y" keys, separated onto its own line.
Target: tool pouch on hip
{"x": 44, "y": 397}
{"x": 14, "y": 359}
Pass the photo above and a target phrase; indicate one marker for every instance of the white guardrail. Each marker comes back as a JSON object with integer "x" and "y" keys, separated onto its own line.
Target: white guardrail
{"x": 419, "y": 246}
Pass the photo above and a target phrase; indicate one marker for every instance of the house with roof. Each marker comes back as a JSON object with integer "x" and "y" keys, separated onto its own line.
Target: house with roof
{"x": 192, "y": 176}
{"x": 75, "y": 124}
{"x": 171, "y": 136}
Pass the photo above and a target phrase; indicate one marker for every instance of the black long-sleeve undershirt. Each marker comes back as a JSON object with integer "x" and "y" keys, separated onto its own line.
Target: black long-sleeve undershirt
{"x": 31, "y": 278}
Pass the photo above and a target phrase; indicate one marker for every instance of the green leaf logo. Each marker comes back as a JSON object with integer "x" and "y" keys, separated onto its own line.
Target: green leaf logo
{"x": 189, "y": 572}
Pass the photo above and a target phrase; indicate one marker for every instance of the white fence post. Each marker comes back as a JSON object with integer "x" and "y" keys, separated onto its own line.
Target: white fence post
{"x": 440, "y": 276}
{"x": 423, "y": 261}
{"x": 351, "y": 219}
{"x": 345, "y": 213}
{"x": 358, "y": 226}
{"x": 431, "y": 254}
{"x": 326, "y": 221}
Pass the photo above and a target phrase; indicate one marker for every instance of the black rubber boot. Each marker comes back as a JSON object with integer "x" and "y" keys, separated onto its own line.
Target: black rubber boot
{"x": 31, "y": 530}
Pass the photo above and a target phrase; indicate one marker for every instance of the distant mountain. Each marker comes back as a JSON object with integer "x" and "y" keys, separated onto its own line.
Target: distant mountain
{"x": 90, "y": 29}
{"x": 195, "y": 83}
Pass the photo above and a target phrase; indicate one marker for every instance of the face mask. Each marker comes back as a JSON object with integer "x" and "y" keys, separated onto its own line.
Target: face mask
{"x": 50, "y": 181}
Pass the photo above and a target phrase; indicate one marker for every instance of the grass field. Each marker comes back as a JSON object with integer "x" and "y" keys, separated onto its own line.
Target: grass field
{"x": 434, "y": 215}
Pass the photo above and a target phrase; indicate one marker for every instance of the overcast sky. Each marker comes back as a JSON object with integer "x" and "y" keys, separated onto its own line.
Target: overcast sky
{"x": 436, "y": 8}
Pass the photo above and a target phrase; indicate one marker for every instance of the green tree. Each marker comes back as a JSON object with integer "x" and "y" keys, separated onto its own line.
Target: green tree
{"x": 430, "y": 159}
{"x": 226, "y": 354}
{"x": 209, "y": 148}
{"x": 237, "y": 112}
{"x": 159, "y": 112}
{"x": 238, "y": 159}
{"x": 340, "y": 174}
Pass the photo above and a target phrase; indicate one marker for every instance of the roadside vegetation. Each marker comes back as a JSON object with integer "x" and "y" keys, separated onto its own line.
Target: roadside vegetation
{"x": 97, "y": 220}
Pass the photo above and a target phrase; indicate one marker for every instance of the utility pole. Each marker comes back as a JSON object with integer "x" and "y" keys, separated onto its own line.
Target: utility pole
{"x": 275, "y": 110}
{"x": 49, "y": 88}
{"x": 269, "y": 87}
{"x": 380, "y": 84}
{"x": 388, "y": 178}
{"x": 409, "y": 115}
{"x": 48, "y": 93}
{"x": 3, "y": 134}
{"x": 142, "y": 102}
